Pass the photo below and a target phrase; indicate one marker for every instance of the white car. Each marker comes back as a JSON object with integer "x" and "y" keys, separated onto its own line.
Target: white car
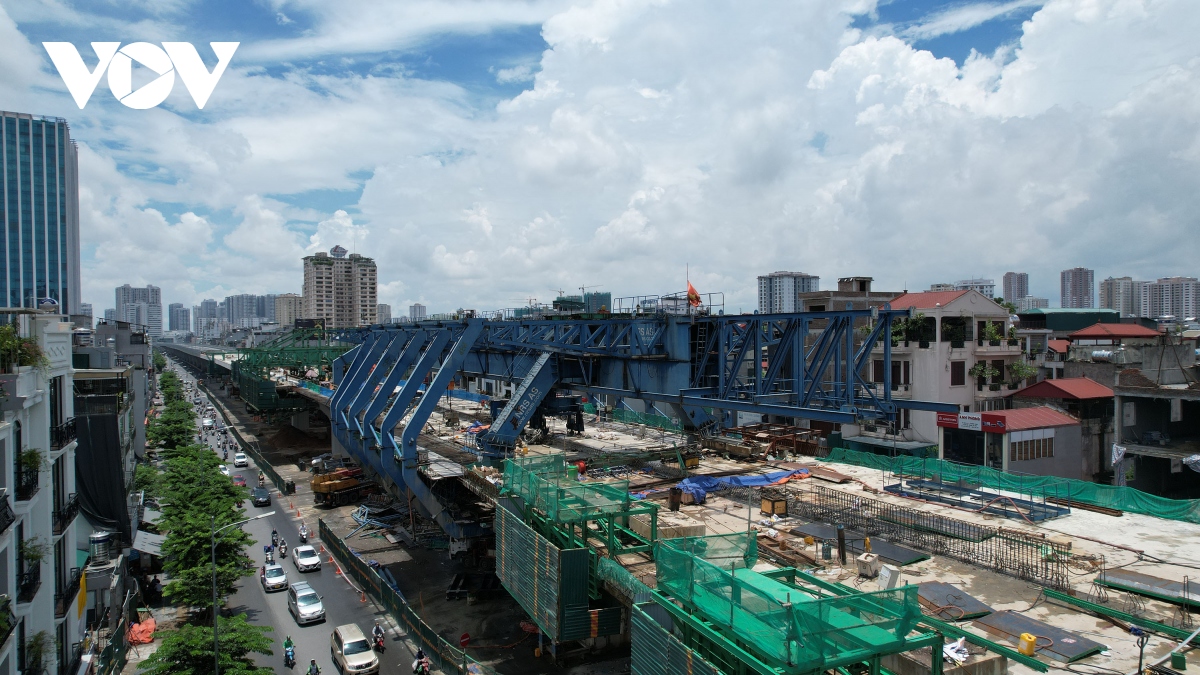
{"x": 225, "y": 470}
{"x": 239, "y": 460}
{"x": 304, "y": 603}
{"x": 306, "y": 559}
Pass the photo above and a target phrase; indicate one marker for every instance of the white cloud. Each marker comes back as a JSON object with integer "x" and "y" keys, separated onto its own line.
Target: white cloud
{"x": 521, "y": 73}
{"x": 964, "y": 17}
{"x": 655, "y": 135}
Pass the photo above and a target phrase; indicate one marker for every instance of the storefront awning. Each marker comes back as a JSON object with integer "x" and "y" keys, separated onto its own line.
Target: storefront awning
{"x": 148, "y": 543}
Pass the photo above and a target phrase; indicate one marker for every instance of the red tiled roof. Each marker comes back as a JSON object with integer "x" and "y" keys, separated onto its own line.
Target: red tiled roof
{"x": 1040, "y": 417}
{"x": 1074, "y": 388}
{"x": 1060, "y": 346}
{"x": 926, "y": 299}
{"x": 1114, "y": 330}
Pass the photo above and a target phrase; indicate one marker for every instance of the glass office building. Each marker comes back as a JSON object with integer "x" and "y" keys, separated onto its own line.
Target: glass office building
{"x": 39, "y": 208}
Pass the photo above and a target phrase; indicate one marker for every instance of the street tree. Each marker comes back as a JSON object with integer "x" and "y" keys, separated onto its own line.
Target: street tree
{"x": 189, "y": 650}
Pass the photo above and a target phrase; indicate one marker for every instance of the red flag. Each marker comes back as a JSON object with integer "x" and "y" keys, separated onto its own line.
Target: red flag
{"x": 693, "y": 295}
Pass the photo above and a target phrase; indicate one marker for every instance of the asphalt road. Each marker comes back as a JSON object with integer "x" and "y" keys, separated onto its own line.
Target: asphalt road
{"x": 342, "y": 603}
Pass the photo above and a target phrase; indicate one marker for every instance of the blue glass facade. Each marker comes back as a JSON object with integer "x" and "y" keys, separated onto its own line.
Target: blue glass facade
{"x": 39, "y": 210}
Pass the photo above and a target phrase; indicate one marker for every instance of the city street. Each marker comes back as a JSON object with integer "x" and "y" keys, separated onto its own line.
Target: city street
{"x": 342, "y": 603}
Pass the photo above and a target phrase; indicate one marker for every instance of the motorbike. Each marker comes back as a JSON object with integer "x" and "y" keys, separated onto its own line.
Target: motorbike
{"x": 303, "y": 535}
{"x": 268, "y": 552}
{"x": 379, "y": 646}
{"x": 289, "y": 657}
{"x": 421, "y": 666}
{"x": 274, "y": 539}
{"x": 283, "y": 551}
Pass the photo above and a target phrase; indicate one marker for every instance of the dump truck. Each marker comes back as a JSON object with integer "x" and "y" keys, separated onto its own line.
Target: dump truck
{"x": 338, "y": 487}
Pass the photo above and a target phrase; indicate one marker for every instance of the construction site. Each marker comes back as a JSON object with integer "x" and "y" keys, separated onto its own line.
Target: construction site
{"x": 656, "y": 493}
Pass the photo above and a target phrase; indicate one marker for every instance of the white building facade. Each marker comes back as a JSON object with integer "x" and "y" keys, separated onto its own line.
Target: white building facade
{"x": 778, "y": 292}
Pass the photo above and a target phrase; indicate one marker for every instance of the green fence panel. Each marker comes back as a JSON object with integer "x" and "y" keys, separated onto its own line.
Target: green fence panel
{"x": 1112, "y": 496}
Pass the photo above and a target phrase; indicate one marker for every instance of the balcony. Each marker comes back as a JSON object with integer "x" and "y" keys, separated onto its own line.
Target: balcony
{"x": 7, "y": 517}
{"x": 28, "y": 583}
{"x": 8, "y": 620}
{"x": 27, "y": 483}
{"x": 62, "y": 435}
{"x": 65, "y": 513}
{"x": 998, "y": 347}
{"x": 64, "y": 597}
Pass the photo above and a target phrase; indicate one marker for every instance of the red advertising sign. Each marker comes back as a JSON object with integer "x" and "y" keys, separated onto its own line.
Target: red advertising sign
{"x": 988, "y": 422}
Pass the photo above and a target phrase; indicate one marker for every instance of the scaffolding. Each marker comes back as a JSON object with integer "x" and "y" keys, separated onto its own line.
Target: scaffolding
{"x": 744, "y": 620}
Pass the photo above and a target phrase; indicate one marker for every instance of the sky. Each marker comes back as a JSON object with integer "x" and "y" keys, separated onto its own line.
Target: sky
{"x": 489, "y": 152}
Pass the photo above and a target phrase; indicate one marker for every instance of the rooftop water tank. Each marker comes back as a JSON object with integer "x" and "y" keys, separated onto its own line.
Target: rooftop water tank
{"x": 99, "y": 544}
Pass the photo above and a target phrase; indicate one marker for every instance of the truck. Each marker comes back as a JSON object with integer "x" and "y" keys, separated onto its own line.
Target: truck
{"x": 338, "y": 487}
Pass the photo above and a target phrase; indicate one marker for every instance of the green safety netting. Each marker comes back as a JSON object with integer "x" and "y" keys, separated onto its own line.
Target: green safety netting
{"x": 545, "y": 484}
{"x": 632, "y": 417}
{"x": 1111, "y": 496}
{"x": 783, "y": 623}
{"x": 611, "y": 571}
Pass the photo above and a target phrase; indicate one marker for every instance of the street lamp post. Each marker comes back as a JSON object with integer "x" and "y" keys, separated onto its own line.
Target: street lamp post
{"x": 213, "y": 549}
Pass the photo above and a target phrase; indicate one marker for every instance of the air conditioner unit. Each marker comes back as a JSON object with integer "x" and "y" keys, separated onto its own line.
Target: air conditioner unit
{"x": 889, "y": 577}
{"x": 868, "y": 565}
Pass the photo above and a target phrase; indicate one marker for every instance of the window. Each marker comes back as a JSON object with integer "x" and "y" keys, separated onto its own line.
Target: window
{"x": 958, "y": 373}
{"x": 877, "y": 371}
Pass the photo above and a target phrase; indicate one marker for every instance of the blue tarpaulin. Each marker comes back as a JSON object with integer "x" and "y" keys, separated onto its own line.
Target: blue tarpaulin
{"x": 700, "y": 486}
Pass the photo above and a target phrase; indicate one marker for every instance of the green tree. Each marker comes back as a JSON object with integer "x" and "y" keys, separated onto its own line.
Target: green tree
{"x": 160, "y": 361}
{"x": 146, "y": 478}
{"x": 189, "y": 650}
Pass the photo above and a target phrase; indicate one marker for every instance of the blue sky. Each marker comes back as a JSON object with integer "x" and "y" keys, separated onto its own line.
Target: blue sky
{"x": 489, "y": 150}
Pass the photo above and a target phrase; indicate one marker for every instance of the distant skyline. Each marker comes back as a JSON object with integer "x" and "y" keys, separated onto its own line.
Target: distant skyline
{"x": 485, "y": 153}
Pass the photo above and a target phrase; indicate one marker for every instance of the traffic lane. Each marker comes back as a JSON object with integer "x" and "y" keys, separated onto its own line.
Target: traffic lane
{"x": 342, "y": 603}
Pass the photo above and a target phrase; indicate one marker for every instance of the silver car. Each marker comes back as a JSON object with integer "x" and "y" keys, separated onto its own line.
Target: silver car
{"x": 306, "y": 559}
{"x": 274, "y": 578}
{"x": 304, "y": 603}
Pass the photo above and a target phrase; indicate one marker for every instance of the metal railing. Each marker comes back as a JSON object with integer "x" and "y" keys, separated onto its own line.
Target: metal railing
{"x": 28, "y": 583}
{"x": 63, "y": 598}
{"x": 8, "y": 620}
{"x": 7, "y": 516}
{"x": 27, "y": 483}
{"x": 62, "y": 435}
{"x": 65, "y": 513}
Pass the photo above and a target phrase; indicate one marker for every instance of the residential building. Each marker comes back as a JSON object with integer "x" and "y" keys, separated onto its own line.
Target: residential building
{"x": 39, "y": 510}
{"x": 288, "y": 308}
{"x": 1117, "y": 293}
{"x": 136, "y": 313}
{"x": 778, "y": 292}
{"x": 383, "y": 313}
{"x": 1177, "y": 297}
{"x": 39, "y": 206}
{"x": 179, "y": 317}
{"x": 85, "y": 309}
{"x": 1158, "y": 432}
{"x": 207, "y": 319}
{"x": 985, "y": 286}
{"x": 151, "y": 296}
{"x": 266, "y": 307}
{"x": 340, "y": 289}
{"x": 948, "y": 353}
{"x": 855, "y": 292}
{"x": 242, "y": 310}
{"x": 941, "y": 288}
{"x": 1016, "y": 286}
{"x": 417, "y": 312}
{"x": 110, "y": 315}
{"x": 1029, "y": 302}
{"x": 1077, "y": 288}
{"x": 1086, "y": 400}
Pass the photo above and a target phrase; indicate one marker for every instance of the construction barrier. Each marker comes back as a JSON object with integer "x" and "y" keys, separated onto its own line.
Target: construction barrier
{"x": 445, "y": 656}
{"x": 1111, "y": 496}
{"x": 246, "y": 447}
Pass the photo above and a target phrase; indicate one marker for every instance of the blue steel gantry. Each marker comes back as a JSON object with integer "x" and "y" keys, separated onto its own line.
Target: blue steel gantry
{"x": 705, "y": 368}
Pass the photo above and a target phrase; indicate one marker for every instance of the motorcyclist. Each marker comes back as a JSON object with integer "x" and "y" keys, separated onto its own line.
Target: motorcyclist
{"x": 377, "y": 634}
{"x": 274, "y": 537}
{"x": 303, "y": 533}
{"x": 313, "y": 668}
{"x": 261, "y": 479}
{"x": 282, "y": 548}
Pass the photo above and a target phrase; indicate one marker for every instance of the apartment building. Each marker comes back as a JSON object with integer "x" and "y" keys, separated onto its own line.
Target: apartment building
{"x": 956, "y": 350}
{"x": 288, "y": 308}
{"x": 1016, "y": 286}
{"x": 40, "y": 560}
{"x": 340, "y": 289}
{"x": 778, "y": 292}
{"x": 1077, "y": 288}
